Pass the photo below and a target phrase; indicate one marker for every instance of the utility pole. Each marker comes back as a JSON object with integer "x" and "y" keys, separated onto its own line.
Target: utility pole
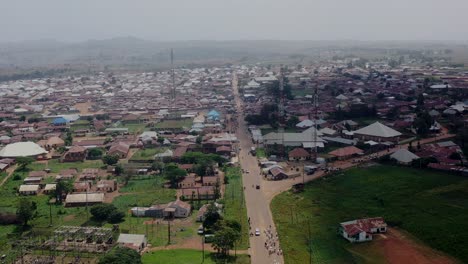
{"x": 203, "y": 246}
{"x": 168, "y": 232}
{"x": 50, "y": 214}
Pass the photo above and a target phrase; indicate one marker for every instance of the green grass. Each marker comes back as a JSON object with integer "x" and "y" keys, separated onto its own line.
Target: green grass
{"x": 147, "y": 154}
{"x": 188, "y": 256}
{"x": 431, "y": 206}
{"x": 260, "y": 153}
{"x": 56, "y": 166}
{"x": 174, "y": 123}
{"x": 235, "y": 204}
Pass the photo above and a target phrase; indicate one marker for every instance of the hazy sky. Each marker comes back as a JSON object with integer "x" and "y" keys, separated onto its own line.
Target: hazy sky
{"x": 78, "y": 20}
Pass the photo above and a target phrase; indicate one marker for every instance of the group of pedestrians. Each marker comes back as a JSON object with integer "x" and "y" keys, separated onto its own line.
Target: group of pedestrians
{"x": 271, "y": 243}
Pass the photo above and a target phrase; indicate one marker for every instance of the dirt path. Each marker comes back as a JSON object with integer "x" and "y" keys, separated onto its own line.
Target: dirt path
{"x": 10, "y": 172}
{"x": 399, "y": 248}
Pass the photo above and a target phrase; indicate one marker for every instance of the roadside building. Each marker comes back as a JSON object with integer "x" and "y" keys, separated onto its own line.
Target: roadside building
{"x": 361, "y": 230}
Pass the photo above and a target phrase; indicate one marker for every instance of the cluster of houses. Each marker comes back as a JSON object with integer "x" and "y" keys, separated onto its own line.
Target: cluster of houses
{"x": 389, "y": 97}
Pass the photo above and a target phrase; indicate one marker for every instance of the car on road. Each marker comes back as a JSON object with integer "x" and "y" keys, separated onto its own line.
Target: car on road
{"x": 247, "y": 171}
{"x": 257, "y": 231}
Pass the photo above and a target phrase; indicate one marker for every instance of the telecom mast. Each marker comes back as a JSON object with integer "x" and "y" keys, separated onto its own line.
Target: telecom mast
{"x": 315, "y": 104}
{"x": 281, "y": 111}
{"x": 173, "y": 76}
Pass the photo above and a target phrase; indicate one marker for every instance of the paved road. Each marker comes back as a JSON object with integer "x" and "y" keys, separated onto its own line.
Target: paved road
{"x": 258, "y": 205}
{"x": 258, "y": 201}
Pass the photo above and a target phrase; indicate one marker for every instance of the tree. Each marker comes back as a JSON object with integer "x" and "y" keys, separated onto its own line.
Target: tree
{"x": 101, "y": 212}
{"x": 23, "y": 162}
{"x": 110, "y": 159}
{"x": 26, "y": 210}
{"x": 121, "y": 255}
{"x": 62, "y": 187}
{"x": 119, "y": 169}
{"x": 211, "y": 216}
{"x": 157, "y": 166}
{"x": 174, "y": 174}
{"x": 224, "y": 239}
{"x": 69, "y": 139}
{"x": 22, "y": 118}
{"x": 160, "y": 140}
{"x": 199, "y": 139}
{"x": 292, "y": 121}
{"x": 115, "y": 217}
{"x": 95, "y": 153}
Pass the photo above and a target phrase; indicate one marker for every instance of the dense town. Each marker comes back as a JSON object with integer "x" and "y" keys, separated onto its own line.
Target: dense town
{"x": 198, "y": 158}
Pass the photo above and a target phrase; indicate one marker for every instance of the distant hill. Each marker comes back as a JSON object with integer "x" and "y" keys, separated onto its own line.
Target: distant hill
{"x": 131, "y": 51}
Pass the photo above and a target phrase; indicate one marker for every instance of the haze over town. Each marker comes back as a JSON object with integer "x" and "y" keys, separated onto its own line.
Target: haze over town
{"x": 211, "y": 131}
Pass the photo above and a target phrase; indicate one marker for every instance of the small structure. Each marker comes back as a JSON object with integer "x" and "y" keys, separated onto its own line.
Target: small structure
{"x": 346, "y": 152}
{"x": 59, "y": 121}
{"x": 76, "y": 153}
{"x": 49, "y": 188}
{"x": 28, "y": 189}
{"x": 178, "y": 209}
{"x": 83, "y": 199}
{"x": 361, "y": 230}
{"x": 277, "y": 174}
{"x": 298, "y": 154}
{"x": 106, "y": 185}
{"x": 377, "y": 132}
{"x": 187, "y": 182}
{"x": 119, "y": 149}
{"x": 404, "y": 156}
{"x": 22, "y": 149}
{"x": 133, "y": 241}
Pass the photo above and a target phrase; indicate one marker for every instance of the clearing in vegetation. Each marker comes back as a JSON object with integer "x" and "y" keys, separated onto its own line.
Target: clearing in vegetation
{"x": 431, "y": 206}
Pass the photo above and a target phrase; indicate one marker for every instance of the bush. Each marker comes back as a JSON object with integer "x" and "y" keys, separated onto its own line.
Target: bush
{"x": 121, "y": 255}
{"x": 16, "y": 177}
{"x": 103, "y": 212}
{"x": 116, "y": 217}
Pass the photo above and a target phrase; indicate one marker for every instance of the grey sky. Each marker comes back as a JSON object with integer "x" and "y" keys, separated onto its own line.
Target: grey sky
{"x": 78, "y": 20}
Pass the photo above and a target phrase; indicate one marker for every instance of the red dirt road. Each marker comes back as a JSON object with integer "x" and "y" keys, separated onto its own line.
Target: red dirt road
{"x": 398, "y": 248}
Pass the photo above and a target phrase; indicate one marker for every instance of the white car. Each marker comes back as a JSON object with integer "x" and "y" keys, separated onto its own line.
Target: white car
{"x": 257, "y": 231}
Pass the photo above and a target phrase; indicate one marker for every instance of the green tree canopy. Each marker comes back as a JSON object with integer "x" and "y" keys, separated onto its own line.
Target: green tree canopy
{"x": 26, "y": 210}
{"x": 95, "y": 153}
{"x": 121, "y": 255}
{"x": 23, "y": 162}
{"x": 110, "y": 159}
{"x": 62, "y": 188}
{"x": 174, "y": 174}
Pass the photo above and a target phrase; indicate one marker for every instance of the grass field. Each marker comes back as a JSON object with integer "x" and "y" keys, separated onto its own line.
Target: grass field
{"x": 235, "y": 204}
{"x": 261, "y": 153}
{"x": 56, "y": 166}
{"x": 187, "y": 256}
{"x": 174, "y": 123}
{"x": 147, "y": 154}
{"x": 431, "y": 206}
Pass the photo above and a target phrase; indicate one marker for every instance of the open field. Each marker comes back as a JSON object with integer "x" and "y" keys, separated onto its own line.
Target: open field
{"x": 147, "y": 154}
{"x": 187, "y": 256}
{"x": 433, "y": 207}
{"x": 56, "y": 166}
{"x": 235, "y": 204}
{"x": 175, "y": 123}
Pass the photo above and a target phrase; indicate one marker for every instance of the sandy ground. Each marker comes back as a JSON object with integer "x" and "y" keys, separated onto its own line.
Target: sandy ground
{"x": 399, "y": 248}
